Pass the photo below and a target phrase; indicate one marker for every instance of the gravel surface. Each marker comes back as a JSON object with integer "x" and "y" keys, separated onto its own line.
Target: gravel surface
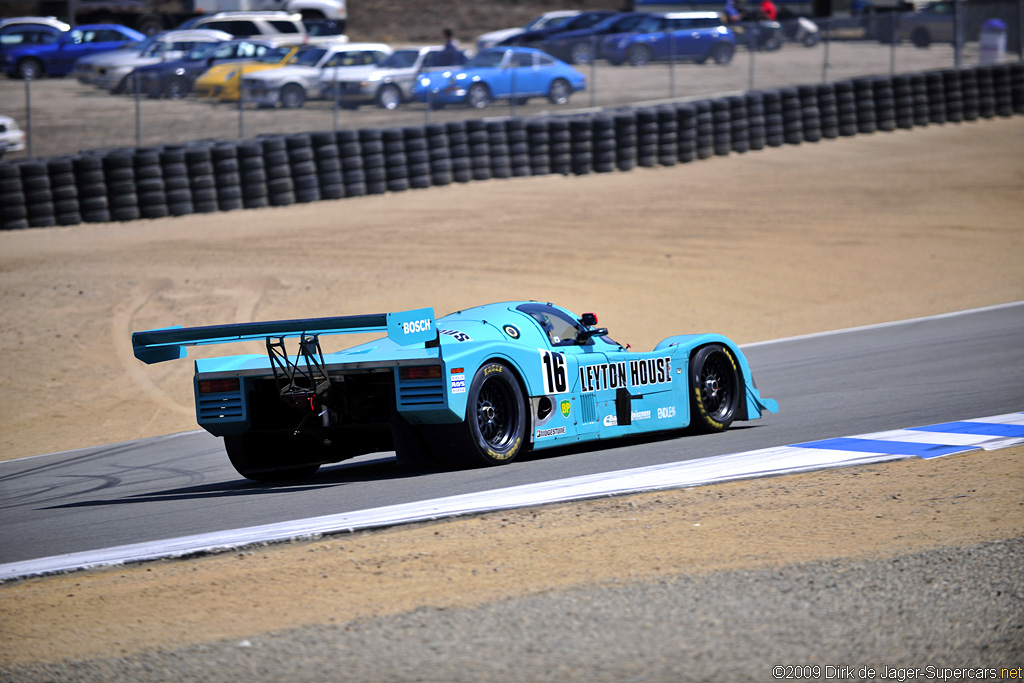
{"x": 948, "y": 608}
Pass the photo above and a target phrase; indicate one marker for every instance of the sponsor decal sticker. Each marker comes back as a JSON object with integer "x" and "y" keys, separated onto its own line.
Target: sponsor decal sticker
{"x": 566, "y": 408}
{"x": 414, "y": 326}
{"x": 456, "y": 335}
{"x": 458, "y": 384}
{"x": 641, "y": 372}
{"x": 551, "y": 431}
{"x": 512, "y": 331}
{"x": 552, "y": 369}
{"x": 635, "y": 416}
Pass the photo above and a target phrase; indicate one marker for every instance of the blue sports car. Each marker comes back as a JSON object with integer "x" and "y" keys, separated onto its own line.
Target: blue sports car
{"x": 476, "y": 387}
{"x": 58, "y": 58}
{"x": 517, "y": 73}
{"x": 675, "y": 36}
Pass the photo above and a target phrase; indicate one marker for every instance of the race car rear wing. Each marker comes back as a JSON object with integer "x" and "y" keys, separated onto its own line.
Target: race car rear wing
{"x": 405, "y": 328}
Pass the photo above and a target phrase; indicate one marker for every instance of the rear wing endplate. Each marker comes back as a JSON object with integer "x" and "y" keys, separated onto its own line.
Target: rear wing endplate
{"x": 405, "y": 328}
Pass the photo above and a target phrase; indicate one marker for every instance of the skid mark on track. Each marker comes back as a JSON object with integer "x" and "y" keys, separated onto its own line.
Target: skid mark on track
{"x": 121, "y": 330}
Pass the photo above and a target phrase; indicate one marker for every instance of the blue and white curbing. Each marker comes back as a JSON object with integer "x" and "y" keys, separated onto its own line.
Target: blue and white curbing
{"x": 988, "y": 433}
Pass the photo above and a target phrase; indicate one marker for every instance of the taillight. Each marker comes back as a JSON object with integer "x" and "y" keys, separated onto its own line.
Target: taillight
{"x": 420, "y": 372}
{"x": 218, "y": 386}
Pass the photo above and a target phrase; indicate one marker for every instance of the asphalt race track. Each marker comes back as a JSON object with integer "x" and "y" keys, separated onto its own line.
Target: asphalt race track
{"x": 893, "y": 376}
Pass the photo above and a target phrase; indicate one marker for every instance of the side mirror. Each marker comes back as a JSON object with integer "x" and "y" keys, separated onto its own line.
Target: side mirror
{"x": 585, "y": 335}
{"x": 589, "y": 319}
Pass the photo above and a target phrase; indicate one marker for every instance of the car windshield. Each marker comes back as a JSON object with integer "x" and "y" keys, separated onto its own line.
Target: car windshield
{"x": 544, "y": 21}
{"x": 307, "y": 57}
{"x": 622, "y": 23}
{"x": 201, "y": 52}
{"x": 402, "y": 59}
{"x": 275, "y": 55}
{"x": 486, "y": 59}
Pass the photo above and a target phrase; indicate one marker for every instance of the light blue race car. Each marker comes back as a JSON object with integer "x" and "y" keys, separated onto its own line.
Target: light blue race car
{"x": 501, "y": 73}
{"x": 475, "y": 387}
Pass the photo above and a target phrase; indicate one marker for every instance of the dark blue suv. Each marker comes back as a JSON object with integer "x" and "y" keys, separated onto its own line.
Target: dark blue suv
{"x": 679, "y": 36}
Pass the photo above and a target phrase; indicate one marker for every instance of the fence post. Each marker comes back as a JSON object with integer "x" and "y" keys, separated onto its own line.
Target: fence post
{"x": 28, "y": 114}
{"x": 593, "y": 70}
{"x": 751, "y": 32}
{"x": 828, "y": 40}
{"x": 138, "y": 110}
{"x": 241, "y": 102}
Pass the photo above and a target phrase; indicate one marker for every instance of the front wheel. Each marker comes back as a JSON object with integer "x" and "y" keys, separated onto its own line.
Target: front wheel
{"x": 478, "y": 96}
{"x": 268, "y": 457}
{"x": 559, "y": 92}
{"x": 582, "y": 53}
{"x": 293, "y": 96}
{"x": 714, "y": 388}
{"x": 639, "y": 55}
{"x": 722, "y": 53}
{"x": 494, "y": 431}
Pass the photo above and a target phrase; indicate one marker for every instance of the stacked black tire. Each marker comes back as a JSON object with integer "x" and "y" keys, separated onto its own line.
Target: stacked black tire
{"x": 279, "y": 170}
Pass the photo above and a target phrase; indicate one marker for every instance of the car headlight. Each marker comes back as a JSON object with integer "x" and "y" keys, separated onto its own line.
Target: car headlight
{"x": 425, "y": 82}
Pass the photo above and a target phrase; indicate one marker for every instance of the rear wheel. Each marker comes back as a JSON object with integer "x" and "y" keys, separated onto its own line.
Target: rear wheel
{"x": 722, "y": 53}
{"x": 270, "y": 457}
{"x": 582, "y": 53}
{"x": 30, "y": 68}
{"x": 560, "y": 91}
{"x": 389, "y": 97}
{"x": 714, "y": 388}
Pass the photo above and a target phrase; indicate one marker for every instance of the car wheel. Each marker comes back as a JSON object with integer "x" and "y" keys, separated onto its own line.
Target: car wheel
{"x": 293, "y": 96}
{"x": 478, "y": 96}
{"x": 722, "y": 53}
{"x": 495, "y": 426}
{"x": 30, "y": 68}
{"x": 560, "y": 91}
{"x": 582, "y": 53}
{"x": 921, "y": 38}
{"x": 389, "y": 97}
{"x": 639, "y": 55}
{"x": 127, "y": 85}
{"x": 714, "y": 388}
{"x": 175, "y": 89}
{"x": 263, "y": 457}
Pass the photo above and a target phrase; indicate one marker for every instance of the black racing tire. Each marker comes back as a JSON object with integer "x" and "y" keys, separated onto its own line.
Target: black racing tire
{"x": 293, "y": 96}
{"x": 389, "y": 97}
{"x": 715, "y": 389}
{"x": 478, "y": 96}
{"x": 560, "y": 91}
{"x": 264, "y": 457}
{"x": 494, "y": 431}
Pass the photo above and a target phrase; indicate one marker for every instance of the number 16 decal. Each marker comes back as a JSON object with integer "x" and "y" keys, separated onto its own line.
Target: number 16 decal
{"x": 555, "y": 380}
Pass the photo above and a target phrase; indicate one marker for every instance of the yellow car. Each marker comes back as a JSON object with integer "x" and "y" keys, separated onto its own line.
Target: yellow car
{"x": 222, "y": 81}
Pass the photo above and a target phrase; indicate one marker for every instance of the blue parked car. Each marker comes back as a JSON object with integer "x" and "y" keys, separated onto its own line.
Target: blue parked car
{"x": 175, "y": 79}
{"x": 579, "y": 46}
{"x": 498, "y": 73}
{"x": 58, "y": 58}
{"x": 680, "y": 36}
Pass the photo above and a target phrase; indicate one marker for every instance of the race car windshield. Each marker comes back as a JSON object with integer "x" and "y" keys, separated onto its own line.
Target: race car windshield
{"x": 560, "y": 328}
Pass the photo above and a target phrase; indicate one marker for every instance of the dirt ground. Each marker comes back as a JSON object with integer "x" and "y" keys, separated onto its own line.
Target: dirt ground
{"x": 758, "y": 246}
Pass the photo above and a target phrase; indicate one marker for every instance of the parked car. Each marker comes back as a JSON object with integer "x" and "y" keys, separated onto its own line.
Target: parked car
{"x": 174, "y": 79}
{"x": 223, "y": 81}
{"x": 12, "y": 138}
{"x": 574, "y": 23}
{"x": 579, "y": 46}
{"x": 933, "y": 22}
{"x": 517, "y": 73}
{"x": 689, "y": 36}
{"x": 491, "y": 39}
{"x": 290, "y": 85}
{"x": 15, "y": 34}
{"x": 391, "y": 82}
{"x": 280, "y": 26}
{"x": 115, "y": 71}
{"x": 58, "y": 58}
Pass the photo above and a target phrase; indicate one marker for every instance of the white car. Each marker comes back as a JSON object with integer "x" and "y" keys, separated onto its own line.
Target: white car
{"x": 491, "y": 39}
{"x": 12, "y": 138}
{"x": 113, "y": 70}
{"x": 44, "y": 21}
{"x": 389, "y": 83}
{"x": 292, "y": 84}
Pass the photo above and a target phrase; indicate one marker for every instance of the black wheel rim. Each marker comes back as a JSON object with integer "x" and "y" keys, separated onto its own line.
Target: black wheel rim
{"x": 717, "y": 383}
{"x": 496, "y": 413}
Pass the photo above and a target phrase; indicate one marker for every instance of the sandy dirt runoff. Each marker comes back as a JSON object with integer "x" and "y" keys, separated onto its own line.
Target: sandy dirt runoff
{"x": 757, "y": 246}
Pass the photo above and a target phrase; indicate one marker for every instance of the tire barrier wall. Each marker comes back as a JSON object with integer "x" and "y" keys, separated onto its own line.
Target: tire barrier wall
{"x": 206, "y": 176}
